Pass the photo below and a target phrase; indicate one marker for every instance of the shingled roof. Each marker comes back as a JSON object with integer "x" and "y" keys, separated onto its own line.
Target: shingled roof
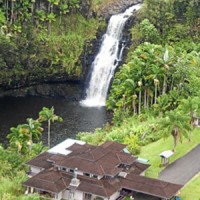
{"x": 55, "y": 181}
{"x": 102, "y": 160}
{"x": 150, "y": 186}
{"x": 49, "y": 180}
{"x": 41, "y": 161}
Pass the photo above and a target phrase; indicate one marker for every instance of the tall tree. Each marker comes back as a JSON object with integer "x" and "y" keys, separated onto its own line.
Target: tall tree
{"x": 64, "y": 9}
{"x": 47, "y": 114}
{"x": 175, "y": 124}
{"x": 17, "y": 139}
{"x": 191, "y": 107}
{"x": 33, "y": 130}
{"x": 22, "y": 136}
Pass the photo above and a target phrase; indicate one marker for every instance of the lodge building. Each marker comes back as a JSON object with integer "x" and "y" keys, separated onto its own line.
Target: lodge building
{"x": 74, "y": 170}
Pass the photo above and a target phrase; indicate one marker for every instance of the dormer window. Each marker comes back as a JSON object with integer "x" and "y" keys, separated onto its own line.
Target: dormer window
{"x": 94, "y": 176}
{"x": 71, "y": 170}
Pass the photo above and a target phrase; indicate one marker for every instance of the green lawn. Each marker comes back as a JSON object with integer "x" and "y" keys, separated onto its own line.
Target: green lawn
{"x": 191, "y": 191}
{"x": 153, "y": 150}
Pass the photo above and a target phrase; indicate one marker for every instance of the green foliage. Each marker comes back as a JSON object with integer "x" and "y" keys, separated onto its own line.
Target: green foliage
{"x": 165, "y": 74}
{"x": 145, "y": 32}
{"x": 13, "y": 171}
{"x": 96, "y": 139}
{"x": 152, "y": 151}
{"x": 38, "y": 46}
{"x": 47, "y": 114}
{"x": 2, "y": 19}
{"x": 21, "y": 137}
{"x": 132, "y": 144}
{"x": 176, "y": 123}
{"x": 134, "y": 132}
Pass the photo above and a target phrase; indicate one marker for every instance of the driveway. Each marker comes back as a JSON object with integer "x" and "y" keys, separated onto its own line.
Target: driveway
{"x": 183, "y": 169}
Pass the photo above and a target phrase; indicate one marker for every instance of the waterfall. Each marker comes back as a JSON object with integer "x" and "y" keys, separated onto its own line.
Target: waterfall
{"x": 106, "y": 61}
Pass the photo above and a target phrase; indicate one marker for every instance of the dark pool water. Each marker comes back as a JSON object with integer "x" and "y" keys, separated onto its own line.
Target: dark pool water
{"x": 15, "y": 110}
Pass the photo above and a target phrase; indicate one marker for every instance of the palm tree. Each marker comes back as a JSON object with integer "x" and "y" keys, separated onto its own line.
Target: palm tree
{"x": 16, "y": 139}
{"x": 162, "y": 104}
{"x": 12, "y": 11}
{"x": 134, "y": 97}
{"x": 33, "y": 130}
{"x": 166, "y": 68}
{"x": 64, "y": 9}
{"x": 176, "y": 124}
{"x": 156, "y": 82}
{"x": 51, "y": 5}
{"x": 40, "y": 16}
{"x": 140, "y": 96}
{"x": 48, "y": 115}
{"x": 50, "y": 18}
{"x": 191, "y": 107}
{"x": 32, "y": 6}
{"x": 22, "y": 136}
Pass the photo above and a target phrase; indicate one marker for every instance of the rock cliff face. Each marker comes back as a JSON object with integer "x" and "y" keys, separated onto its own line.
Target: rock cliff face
{"x": 32, "y": 86}
{"x": 115, "y": 7}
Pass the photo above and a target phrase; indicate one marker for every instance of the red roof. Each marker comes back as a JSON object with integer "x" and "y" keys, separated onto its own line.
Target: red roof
{"x": 101, "y": 160}
{"x": 106, "y": 160}
{"x": 150, "y": 186}
{"x": 49, "y": 180}
{"x": 41, "y": 161}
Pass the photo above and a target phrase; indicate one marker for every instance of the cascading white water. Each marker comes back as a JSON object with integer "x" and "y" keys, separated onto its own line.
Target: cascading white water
{"x": 107, "y": 60}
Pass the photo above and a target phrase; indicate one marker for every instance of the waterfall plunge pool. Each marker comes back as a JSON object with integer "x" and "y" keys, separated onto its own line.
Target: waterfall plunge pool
{"x": 15, "y": 110}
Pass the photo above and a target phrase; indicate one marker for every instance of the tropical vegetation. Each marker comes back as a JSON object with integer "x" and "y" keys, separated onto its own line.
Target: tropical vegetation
{"x": 155, "y": 94}
{"x": 160, "y": 78}
{"x": 43, "y": 39}
{"x": 24, "y": 144}
{"x": 48, "y": 115}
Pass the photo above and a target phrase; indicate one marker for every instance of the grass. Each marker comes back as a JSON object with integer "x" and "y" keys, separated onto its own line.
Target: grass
{"x": 191, "y": 191}
{"x": 153, "y": 150}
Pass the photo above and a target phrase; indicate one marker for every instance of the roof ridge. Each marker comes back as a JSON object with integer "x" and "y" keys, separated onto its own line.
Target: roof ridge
{"x": 118, "y": 157}
{"x": 102, "y": 168}
{"x": 109, "y": 150}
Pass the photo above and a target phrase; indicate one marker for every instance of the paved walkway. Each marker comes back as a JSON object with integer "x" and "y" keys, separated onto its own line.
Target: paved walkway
{"x": 183, "y": 169}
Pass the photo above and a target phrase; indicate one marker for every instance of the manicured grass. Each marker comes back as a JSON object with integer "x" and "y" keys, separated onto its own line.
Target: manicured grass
{"x": 153, "y": 150}
{"x": 191, "y": 191}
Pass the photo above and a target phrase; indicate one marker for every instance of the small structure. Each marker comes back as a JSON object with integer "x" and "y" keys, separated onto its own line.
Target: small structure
{"x": 165, "y": 155}
{"x": 79, "y": 171}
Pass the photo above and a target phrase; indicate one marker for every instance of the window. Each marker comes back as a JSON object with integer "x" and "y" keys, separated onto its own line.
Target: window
{"x": 71, "y": 170}
{"x": 86, "y": 174}
{"x": 64, "y": 169}
{"x": 87, "y": 196}
{"x": 95, "y": 176}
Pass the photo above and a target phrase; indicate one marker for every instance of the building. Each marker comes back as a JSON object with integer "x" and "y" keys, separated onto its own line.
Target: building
{"x": 79, "y": 171}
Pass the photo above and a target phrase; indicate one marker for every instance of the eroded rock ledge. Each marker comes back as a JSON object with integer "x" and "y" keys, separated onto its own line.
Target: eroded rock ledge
{"x": 115, "y": 6}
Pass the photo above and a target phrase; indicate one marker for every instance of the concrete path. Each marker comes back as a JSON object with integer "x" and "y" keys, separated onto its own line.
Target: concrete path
{"x": 183, "y": 169}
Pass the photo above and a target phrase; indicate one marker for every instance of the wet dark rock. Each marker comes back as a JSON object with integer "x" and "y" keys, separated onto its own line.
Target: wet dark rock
{"x": 115, "y": 7}
{"x": 85, "y": 8}
{"x": 68, "y": 90}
